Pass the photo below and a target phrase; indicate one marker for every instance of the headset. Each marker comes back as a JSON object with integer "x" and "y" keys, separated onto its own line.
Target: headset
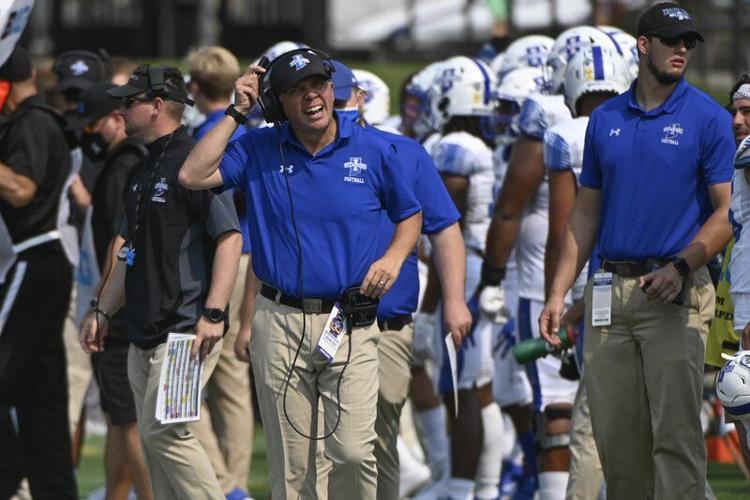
{"x": 159, "y": 87}
{"x": 269, "y": 98}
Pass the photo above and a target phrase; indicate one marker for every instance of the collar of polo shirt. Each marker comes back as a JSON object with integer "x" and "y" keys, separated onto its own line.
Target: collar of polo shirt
{"x": 344, "y": 130}
{"x": 667, "y": 106}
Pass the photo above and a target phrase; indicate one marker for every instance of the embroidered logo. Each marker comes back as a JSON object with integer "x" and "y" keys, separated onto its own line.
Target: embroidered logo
{"x": 298, "y": 62}
{"x": 356, "y": 167}
{"x": 671, "y": 134}
{"x": 160, "y": 188}
{"x": 79, "y": 67}
{"x": 286, "y": 170}
{"x": 614, "y": 131}
{"x": 676, "y": 13}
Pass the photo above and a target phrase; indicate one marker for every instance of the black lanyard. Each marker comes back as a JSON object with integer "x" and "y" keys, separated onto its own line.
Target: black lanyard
{"x": 127, "y": 252}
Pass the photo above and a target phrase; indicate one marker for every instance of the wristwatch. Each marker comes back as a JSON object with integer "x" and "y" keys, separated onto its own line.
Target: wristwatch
{"x": 214, "y": 314}
{"x": 681, "y": 265}
{"x": 238, "y": 117}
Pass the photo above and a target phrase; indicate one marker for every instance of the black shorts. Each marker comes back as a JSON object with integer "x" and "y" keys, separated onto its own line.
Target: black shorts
{"x": 111, "y": 373}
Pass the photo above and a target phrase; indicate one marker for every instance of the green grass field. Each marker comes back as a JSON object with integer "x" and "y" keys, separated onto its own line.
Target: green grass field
{"x": 726, "y": 480}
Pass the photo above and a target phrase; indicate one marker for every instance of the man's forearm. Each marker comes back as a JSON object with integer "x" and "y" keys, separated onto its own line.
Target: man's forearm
{"x": 224, "y": 271}
{"x": 17, "y": 190}
{"x": 111, "y": 292}
{"x": 710, "y": 240}
{"x": 252, "y": 285}
{"x": 405, "y": 238}
{"x": 449, "y": 255}
{"x": 200, "y": 170}
{"x": 578, "y": 242}
{"x": 501, "y": 238}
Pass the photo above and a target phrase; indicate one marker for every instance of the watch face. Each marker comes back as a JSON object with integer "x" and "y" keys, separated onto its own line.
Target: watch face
{"x": 215, "y": 315}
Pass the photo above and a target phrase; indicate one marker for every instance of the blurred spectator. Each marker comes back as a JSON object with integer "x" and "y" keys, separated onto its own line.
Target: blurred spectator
{"x": 34, "y": 167}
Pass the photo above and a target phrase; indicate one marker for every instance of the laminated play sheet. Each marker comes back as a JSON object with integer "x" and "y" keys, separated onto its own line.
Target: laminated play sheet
{"x": 179, "y": 397}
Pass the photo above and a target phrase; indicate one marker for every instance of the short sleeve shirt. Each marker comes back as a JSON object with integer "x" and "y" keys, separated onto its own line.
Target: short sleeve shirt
{"x": 32, "y": 144}
{"x": 654, "y": 169}
{"x": 174, "y": 235}
{"x": 336, "y": 198}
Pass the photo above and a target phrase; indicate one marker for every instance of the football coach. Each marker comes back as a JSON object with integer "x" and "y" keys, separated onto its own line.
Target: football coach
{"x": 316, "y": 186}
{"x": 654, "y": 197}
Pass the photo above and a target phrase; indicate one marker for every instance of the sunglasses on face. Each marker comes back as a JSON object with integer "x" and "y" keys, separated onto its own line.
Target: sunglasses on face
{"x": 672, "y": 42}
{"x": 128, "y": 102}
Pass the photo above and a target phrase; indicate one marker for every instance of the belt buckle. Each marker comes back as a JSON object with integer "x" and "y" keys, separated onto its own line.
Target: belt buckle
{"x": 312, "y": 306}
{"x": 622, "y": 269}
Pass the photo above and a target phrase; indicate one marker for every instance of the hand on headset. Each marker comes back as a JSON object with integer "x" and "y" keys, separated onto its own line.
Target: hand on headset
{"x": 246, "y": 88}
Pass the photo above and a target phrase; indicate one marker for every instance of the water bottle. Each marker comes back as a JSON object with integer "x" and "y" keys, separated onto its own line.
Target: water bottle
{"x": 531, "y": 349}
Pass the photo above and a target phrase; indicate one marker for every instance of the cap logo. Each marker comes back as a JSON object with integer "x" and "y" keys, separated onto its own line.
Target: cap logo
{"x": 676, "y": 13}
{"x": 79, "y": 67}
{"x": 298, "y": 62}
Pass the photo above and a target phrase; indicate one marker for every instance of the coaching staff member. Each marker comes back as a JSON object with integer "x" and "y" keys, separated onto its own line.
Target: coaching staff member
{"x": 655, "y": 192}
{"x": 34, "y": 165}
{"x": 174, "y": 265}
{"x": 332, "y": 181}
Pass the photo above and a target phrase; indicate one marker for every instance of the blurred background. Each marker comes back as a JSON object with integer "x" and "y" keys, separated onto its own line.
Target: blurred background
{"x": 374, "y": 30}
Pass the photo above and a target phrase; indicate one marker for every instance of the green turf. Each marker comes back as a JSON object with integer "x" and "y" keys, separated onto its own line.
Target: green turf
{"x": 726, "y": 480}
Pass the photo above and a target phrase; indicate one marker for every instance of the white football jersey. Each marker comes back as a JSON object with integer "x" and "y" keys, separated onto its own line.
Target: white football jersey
{"x": 460, "y": 153}
{"x": 563, "y": 150}
{"x": 739, "y": 216}
{"x": 538, "y": 113}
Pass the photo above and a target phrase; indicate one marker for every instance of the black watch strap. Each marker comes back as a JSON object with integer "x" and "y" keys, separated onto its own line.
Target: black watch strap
{"x": 238, "y": 117}
{"x": 682, "y": 266}
{"x": 214, "y": 314}
{"x": 492, "y": 276}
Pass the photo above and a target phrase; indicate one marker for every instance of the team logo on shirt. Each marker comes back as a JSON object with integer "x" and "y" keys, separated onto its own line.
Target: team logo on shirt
{"x": 298, "y": 62}
{"x": 288, "y": 170}
{"x": 356, "y": 167}
{"x": 160, "y": 188}
{"x": 671, "y": 134}
{"x": 614, "y": 131}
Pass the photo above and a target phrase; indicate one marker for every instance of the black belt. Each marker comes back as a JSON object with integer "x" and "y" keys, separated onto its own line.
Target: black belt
{"x": 395, "y": 324}
{"x": 308, "y": 306}
{"x": 632, "y": 269}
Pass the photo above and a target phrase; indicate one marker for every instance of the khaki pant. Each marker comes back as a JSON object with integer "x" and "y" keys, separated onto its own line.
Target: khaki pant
{"x": 78, "y": 365}
{"x": 644, "y": 380}
{"x": 226, "y": 427}
{"x": 394, "y": 373}
{"x": 178, "y": 465}
{"x": 586, "y": 478}
{"x": 291, "y": 457}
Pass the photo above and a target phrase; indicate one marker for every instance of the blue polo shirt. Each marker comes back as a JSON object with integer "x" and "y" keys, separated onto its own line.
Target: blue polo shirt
{"x": 339, "y": 196}
{"x": 438, "y": 212}
{"x": 210, "y": 122}
{"x": 654, "y": 169}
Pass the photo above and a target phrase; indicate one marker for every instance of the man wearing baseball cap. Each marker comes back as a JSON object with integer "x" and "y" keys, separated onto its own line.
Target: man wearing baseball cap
{"x": 174, "y": 262}
{"x": 316, "y": 186}
{"x": 671, "y": 147}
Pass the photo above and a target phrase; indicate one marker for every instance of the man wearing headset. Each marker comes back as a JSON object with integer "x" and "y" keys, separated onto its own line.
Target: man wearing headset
{"x": 316, "y": 186}
{"x": 174, "y": 262}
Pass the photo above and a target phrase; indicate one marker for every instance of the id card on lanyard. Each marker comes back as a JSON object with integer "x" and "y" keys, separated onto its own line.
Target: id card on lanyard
{"x": 601, "y": 300}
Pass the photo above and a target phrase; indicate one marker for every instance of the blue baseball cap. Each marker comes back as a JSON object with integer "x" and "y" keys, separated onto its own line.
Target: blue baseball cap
{"x": 343, "y": 81}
